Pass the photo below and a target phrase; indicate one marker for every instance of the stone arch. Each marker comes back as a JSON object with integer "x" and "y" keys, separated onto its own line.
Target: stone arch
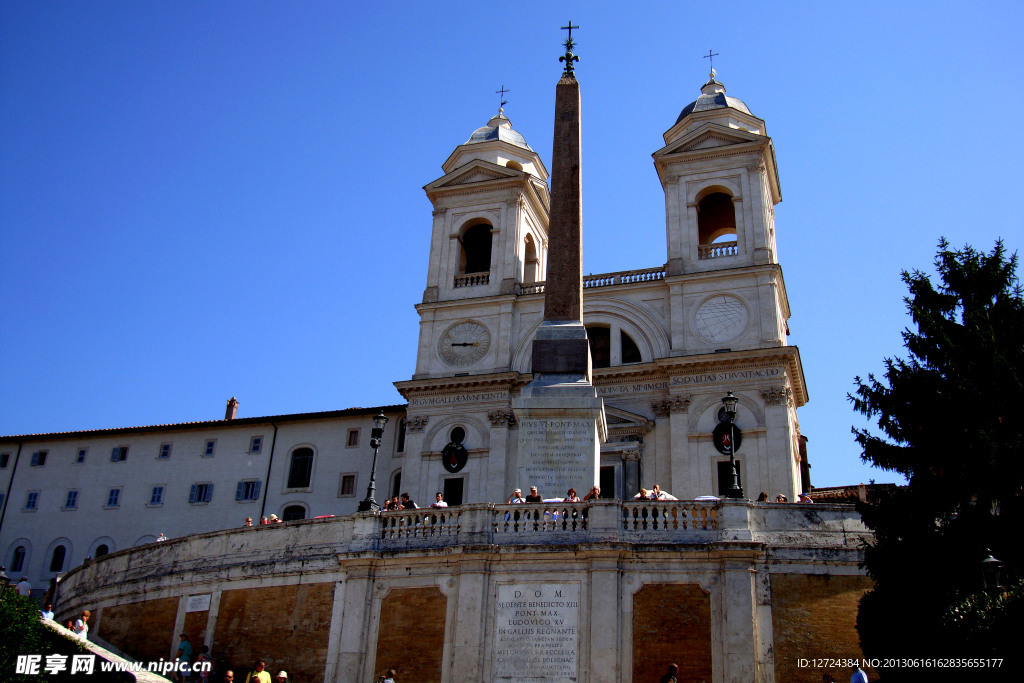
{"x": 475, "y": 246}
{"x": 704, "y": 412}
{"x": 531, "y": 260}
{"x": 102, "y": 541}
{"x": 477, "y": 434}
{"x": 143, "y": 540}
{"x": 290, "y": 509}
{"x": 638, "y": 322}
{"x": 59, "y": 549}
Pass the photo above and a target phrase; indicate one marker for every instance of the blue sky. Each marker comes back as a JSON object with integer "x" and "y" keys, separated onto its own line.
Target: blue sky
{"x": 207, "y": 199}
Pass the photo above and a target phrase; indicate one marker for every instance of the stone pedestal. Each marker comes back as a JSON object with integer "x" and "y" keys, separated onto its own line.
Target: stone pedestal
{"x": 561, "y": 419}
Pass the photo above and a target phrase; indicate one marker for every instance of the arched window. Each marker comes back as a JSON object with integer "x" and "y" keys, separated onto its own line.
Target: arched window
{"x": 57, "y": 561}
{"x": 293, "y": 513}
{"x": 301, "y": 470}
{"x": 18, "y": 559}
{"x": 716, "y": 225}
{"x": 630, "y": 351}
{"x": 600, "y": 346}
{"x": 396, "y": 483}
{"x": 400, "y": 440}
{"x": 101, "y": 550}
{"x": 531, "y": 264}
{"x": 476, "y": 249}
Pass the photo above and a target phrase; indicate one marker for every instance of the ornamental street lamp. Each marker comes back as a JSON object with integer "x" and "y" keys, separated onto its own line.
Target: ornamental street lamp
{"x": 730, "y": 402}
{"x": 370, "y": 505}
{"x": 990, "y": 568}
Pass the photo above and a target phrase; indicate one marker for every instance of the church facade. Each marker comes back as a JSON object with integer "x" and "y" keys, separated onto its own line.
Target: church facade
{"x": 728, "y": 578}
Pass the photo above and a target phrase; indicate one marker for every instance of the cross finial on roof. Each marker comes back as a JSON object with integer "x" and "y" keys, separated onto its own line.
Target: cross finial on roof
{"x": 710, "y": 56}
{"x": 501, "y": 97}
{"x": 569, "y": 57}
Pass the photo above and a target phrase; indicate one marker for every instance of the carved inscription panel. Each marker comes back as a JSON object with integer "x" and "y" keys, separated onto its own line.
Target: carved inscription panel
{"x": 536, "y": 632}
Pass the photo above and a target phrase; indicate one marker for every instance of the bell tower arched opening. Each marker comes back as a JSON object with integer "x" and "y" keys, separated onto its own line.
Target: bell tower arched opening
{"x": 475, "y": 255}
{"x": 531, "y": 262}
{"x": 716, "y": 225}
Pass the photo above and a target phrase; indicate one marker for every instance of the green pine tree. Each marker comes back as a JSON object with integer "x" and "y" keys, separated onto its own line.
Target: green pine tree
{"x": 951, "y": 420}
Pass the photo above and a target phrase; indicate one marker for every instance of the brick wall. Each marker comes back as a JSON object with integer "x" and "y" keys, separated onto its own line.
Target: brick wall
{"x": 144, "y": 630}
{"x": 814, "y": 616}
{"x": 672, "y": 625}
{"x": 195, "y": 627}
{"x": 286, "y": 626}
{"x": 410, "y": 638}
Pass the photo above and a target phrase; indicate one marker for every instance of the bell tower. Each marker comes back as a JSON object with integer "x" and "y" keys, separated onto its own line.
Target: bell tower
{"x": 721, "y": 185}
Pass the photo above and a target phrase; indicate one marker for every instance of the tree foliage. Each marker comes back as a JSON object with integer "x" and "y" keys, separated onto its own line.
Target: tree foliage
{"x": 951, "y": 419}
{"x": 21, "y": 633}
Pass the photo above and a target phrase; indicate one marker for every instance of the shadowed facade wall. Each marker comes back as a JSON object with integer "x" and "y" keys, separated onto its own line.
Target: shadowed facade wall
{"x": 672, "y": 625}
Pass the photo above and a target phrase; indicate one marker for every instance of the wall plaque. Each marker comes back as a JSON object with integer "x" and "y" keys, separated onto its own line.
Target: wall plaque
{"x": 198, "y": 603}
{"x": 536, "y": 632}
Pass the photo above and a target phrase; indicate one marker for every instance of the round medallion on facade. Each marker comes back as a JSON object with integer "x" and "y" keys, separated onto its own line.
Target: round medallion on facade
{"x": 721, "y": 318}
{"x": 464, "y": 343}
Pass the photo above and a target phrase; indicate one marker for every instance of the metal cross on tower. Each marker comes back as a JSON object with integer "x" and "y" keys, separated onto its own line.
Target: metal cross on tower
{"x": 710, "y": 56}
{"x": 501, "y": 96}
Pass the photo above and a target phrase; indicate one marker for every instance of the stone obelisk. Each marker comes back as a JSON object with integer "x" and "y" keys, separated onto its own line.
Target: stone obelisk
{"x": 561, "y": 419}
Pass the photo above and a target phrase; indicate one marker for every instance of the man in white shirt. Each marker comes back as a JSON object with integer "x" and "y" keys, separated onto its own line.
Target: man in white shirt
{"x": 439, "y": 503}
{"x": 516, "y": 498}
{"x": 24, "y": 587}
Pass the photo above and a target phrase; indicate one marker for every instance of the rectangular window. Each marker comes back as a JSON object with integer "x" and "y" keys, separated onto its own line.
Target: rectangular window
{"x": 247, "y": 490}
{"x": 156, "y": 496}
{"x": 71, "y": 502}
{"x": 165, "y": 451}
{"x": 211, "y": 446}
{"x": 32, "y": 500}
{"x": 114, "y": 498}
{"x": 4, "y": 457}
{"x": 256, "y": 445}
{"x": 80, "y": 456}
{"x": 118, "y": 454}
{"x": 348, "y": 485}
{"x": 201, "y": 493}
{"x": 38, "y": 459}
{"x": 353, "y": 438}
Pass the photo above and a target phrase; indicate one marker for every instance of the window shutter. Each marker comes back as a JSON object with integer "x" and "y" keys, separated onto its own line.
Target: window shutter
{"x": 256, "y": 490}
{"x": 240, "y": 490}
{"x": 209, "y": 493}
{"x": 192, "y": 494}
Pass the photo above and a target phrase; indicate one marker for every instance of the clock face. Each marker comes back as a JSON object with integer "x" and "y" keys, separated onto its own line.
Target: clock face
{"x": 464, "y": 343}
{"x": 721, "y": 318}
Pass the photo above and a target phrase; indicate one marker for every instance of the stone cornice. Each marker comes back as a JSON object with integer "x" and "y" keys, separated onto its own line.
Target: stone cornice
{"x": 732, "y": 361}
{"x": 440, "y": 386}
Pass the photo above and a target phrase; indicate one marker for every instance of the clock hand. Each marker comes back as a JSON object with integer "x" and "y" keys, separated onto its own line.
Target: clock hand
{"x": 466, "y": 344}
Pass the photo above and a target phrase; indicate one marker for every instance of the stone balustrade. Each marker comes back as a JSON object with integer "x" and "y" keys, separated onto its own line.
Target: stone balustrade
{"x": 603, "y": 280}
{"x": 314, "y": 546}
{"x": 718, "y": 250}
{"x": 471, "y": 279}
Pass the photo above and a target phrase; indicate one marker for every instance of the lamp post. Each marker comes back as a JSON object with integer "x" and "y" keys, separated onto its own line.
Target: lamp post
{"x": 990, "y": 568}
{"x": 368, "y": 505}
{"x": 730, "y": 402}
